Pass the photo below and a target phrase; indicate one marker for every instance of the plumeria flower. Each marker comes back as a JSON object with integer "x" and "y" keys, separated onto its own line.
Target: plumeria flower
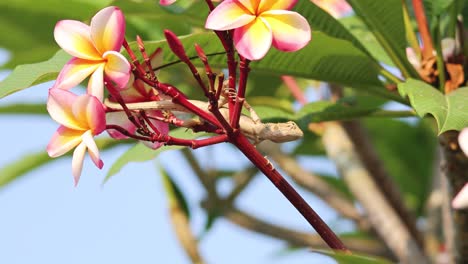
{"x": 259, "y": 24}
{"x": 336, "y": 8}
{"x": 138, "y": 91}
{"x": 95, "y": 50}
{"x": 80, "y": 118}
{"x": 461, "y": 199}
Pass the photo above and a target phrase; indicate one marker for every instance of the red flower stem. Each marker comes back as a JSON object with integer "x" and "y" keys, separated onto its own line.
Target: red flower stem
{"x": 210, "y": 5}
{"x": 126, "y": 133}
{"x": 116, "y": 95}
{"x": 242, "y": 143}
{"x": 147, "y": 60}
{"x": 428, "y": 48}
{"x": 195, "y": 143}
{"x": 240, "y": 98}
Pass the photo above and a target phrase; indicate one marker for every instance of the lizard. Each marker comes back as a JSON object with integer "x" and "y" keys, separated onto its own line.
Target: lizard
{"x": 250, "y": 126}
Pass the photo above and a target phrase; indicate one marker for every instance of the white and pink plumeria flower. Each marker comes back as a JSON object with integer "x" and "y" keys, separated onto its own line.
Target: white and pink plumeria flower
{"x": 95, "y": 50}
{"x": 260, "y": 24}
{"x": 81, "y": 117}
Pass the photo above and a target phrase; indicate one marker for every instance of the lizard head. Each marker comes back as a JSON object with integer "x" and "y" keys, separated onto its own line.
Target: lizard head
{"x": 282, "y": 132}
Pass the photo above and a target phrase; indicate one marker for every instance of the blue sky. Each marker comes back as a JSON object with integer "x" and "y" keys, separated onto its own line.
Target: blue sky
{"x": 46, "y": 220}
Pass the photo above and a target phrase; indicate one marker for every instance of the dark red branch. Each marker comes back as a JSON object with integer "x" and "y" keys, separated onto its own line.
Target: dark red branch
{"x": 242, "y": 143}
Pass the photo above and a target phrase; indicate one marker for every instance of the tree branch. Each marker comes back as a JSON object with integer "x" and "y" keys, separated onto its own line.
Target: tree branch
{"x": 382, "y": 216}
{"x": 368, "y": 156}
{"x": 300, "y": 239}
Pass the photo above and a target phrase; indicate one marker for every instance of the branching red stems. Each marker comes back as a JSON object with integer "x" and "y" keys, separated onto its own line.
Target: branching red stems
{"x": 211, "y": 120}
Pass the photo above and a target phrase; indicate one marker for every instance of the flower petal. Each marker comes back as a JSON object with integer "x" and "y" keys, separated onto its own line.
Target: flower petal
{"x": 461, "y": 199}
{"x": 59, "y": 106}
{"x": 117, "y": 68}
{"x": 74, "y": 72}
{"x": 89, "y": 111}
{"x": 250, "y": 5}
{"x": 75, "y": 38}
{"x": 108, "y": 29}
{"x": 120, "y": 119}
{"x": 92, "y": 149}
{"x": 228, "y": 15}
{"x": 96, "y": 83}
{"x": 291, "y": 31}
{"x": 266, "y": 5}
{"x": 253, "y": 40}
{"x": 166, "y": 2}
{"x": 77, "y": 161}
{"x": 63, "y": 140}
{"x": 463, "y": 140}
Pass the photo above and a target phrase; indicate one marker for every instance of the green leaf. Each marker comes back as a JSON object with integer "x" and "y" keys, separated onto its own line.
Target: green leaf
{"x": 141, "y": 153}
{"x": 27, "y": 27}
{"x": 436, "y": 7}
{"x": 175, "y": 196}
{"x": 450, "y": 111}
{"x": 28, "y": 75}
{"x": 23, "y": 109}
{"x": 30, "y": 162}
{"x": 385, "y": 19}
{"x": 326, "y": 111}
{"x": 368, "y": 40}
{"x": 343, "y": 258}
{"x": 322, "y": 21}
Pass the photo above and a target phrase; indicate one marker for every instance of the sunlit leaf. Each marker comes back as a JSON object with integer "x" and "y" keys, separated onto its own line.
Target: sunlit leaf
{"x": 385, "y": 19}
{"x": 27, "y": 75}
{"x": 450, "y": 111}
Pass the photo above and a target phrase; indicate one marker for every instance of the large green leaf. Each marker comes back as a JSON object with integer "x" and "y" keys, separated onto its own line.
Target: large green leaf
{"x": 28, "y": 75}
{"x": 385, "y": 19}
{"x": 322, "y": 21}
{"x": 30, "y": 162}
{"x": 326, "y": 111}
{"x": 27, "y": 27}
{"x": 141, "y": 153}
{"x": 450, "y": 111}
{"x": 365, "y": 36}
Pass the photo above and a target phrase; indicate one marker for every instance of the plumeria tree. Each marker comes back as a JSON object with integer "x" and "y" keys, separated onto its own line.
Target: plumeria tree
{"x": 376, "y": 87}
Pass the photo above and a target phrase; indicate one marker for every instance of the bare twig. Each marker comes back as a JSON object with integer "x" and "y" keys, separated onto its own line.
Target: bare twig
{"x": 300, "y": 239}
{"x": 381, "y": 215}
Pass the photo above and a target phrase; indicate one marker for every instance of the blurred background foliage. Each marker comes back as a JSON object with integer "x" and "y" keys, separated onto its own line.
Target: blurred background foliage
{"x": 342, "y": 51}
